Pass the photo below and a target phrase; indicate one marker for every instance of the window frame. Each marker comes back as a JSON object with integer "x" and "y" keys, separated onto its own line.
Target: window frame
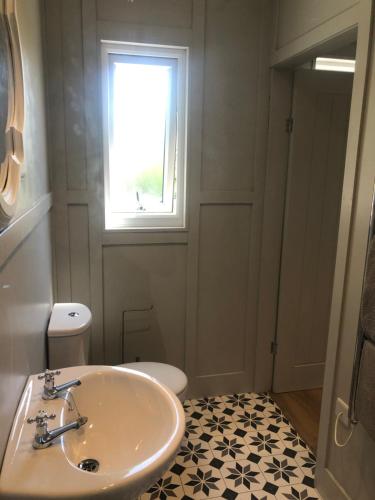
{"x": 177, "y": 149}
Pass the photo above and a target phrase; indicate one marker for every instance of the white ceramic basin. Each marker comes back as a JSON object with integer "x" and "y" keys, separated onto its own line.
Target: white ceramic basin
{"x": 134, "y": 430}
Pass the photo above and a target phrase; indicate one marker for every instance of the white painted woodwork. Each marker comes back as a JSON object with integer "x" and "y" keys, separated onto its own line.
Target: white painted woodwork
{"x": 350, "y": 468}
{"x": 174, "y": 13}
{"x": 225, "y": 179}
{"x": 17, "y": 231}
{"x": 221, "y": 137}
{"x": 302, "y": 28}
{"x": 25, "y": 307}
{"x": 222, "y": 296}
{"x": 25, "y": 255}
{"x": 233, "y": 39}
{"x": 297, "y": 17}
{"x": 321, "y": 104}
{"x": 78, "y": 219}
{"x": 141, "y": 277}
{"x": 344, "y": 472}
{"x": 73, "y": 92}
{"x": 272, "y": 224}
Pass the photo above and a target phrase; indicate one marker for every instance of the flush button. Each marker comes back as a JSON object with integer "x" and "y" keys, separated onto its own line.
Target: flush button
{"x": 73, "y": 314}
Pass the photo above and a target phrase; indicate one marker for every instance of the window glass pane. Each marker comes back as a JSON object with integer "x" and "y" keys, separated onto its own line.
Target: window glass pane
{"x": 140, "y": 136}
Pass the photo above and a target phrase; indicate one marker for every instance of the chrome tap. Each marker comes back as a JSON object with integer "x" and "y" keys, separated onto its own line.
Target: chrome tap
{"x": 50, "y": 391}
{"x": 43, "y": 437}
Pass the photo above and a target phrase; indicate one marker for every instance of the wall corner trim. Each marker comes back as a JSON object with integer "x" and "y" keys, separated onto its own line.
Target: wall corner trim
{"x": 12, "y": 236}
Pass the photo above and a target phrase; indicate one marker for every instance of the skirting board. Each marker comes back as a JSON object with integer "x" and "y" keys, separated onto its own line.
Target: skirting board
{"x": 328, "y": 487}
{"x": 21, "y": 227}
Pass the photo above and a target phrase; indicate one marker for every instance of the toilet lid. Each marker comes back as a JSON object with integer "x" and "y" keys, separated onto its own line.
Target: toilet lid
{"x": 169, "y": 375}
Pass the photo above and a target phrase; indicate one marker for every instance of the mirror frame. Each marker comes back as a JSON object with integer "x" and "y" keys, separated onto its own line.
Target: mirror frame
{"x": 10, "y": 168}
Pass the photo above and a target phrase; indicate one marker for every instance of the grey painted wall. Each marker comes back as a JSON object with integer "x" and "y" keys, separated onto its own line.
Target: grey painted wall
{"x": 25, "y": 276}
{"x": 353, "y": 466}
{"x": 296, "y": 18}
{"x": 301, "y": 26}
{"x": 203, "y": 281}
{"x": 35, "y": 175}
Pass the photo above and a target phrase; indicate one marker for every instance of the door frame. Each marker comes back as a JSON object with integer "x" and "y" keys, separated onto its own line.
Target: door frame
{"x": 332, "y": 81}
{"x": 359, "y": 29}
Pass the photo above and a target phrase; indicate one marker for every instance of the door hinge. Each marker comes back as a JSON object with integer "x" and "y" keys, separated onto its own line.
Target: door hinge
{"x": 289, "y": 122}
{"x": 274, "y": 347}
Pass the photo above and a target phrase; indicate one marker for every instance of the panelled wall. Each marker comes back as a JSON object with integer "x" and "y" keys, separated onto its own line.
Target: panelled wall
{"x": 25, "y": 245}
{"x": 297, "y": 18}
{"x": 185, "y": 297}
{"x": 301, "y": 27}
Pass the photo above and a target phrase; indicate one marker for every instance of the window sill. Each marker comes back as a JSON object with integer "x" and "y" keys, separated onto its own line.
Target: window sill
{"x": 145, "y": 236}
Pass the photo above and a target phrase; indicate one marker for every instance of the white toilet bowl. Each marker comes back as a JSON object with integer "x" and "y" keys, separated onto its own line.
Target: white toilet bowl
{"x": 171, "y": 376}
{"x": 68, "y": 342}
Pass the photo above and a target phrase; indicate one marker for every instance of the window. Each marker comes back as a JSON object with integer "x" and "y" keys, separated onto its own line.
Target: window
{"x": 144, "y": 112}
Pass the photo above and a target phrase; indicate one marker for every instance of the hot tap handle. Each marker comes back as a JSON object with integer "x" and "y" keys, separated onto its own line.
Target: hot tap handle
{"x": 48, "y": 374}
{"x": 41, "y": 417}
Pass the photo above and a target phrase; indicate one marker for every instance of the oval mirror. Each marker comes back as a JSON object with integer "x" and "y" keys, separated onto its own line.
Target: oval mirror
{"x": 11, "y": 111}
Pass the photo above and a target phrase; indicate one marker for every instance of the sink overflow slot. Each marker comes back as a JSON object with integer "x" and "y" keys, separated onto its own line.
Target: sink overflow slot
{"x": 89, "y": 465}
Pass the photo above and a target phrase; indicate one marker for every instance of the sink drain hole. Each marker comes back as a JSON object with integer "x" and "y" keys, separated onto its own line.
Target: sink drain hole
{"x": 89, "y": 465}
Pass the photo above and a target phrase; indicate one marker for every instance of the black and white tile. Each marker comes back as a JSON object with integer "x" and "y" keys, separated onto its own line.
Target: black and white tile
{"x": 238, "y": 446}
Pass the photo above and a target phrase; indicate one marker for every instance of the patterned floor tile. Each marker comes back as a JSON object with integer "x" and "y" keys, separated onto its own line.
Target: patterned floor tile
{"x": 208, "y": 405}
{"x": 256, "y": 495}
{"x": 218, "y": 424}
{"x": 194, "y": 452}
{"x": 239, "y": 401}
{"x": 238, "y": 446}
{"x": 188, "y": 406}
{"x": 169, "y": 486}
{"x": 297, "y": 492}
{"x": 281, "y": 470}
{"x": 306, "y": 461}
{"x": 202, "y": 482}
{"x": 192, "y": 428}
{"x": 292, "y": 439}
{"x": 264, "y": 399}
{"x": 250, "y": 420}
{"x": 242, "y": 476}
{"x": 276, "y": 417}
{"x": 229, "y": 447}
{"x": 264, "y": 443}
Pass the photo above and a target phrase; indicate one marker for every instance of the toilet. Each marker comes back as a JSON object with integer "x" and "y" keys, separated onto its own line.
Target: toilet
{"x": 68, "y": 345}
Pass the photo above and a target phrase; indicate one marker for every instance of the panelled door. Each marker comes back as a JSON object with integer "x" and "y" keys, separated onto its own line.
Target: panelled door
{"x": 318, "y": 132}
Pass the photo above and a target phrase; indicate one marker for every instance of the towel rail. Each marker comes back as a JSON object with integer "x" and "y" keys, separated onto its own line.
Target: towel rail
{"x": 360, "y": 332}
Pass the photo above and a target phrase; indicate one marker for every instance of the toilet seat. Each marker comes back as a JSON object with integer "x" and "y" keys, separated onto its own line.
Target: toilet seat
{"x": 171, "y": 376}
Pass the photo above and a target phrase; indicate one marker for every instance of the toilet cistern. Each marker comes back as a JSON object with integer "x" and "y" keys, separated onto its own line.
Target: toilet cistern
{"x": 50, "y": 391}
{"x": 68, "y": 345}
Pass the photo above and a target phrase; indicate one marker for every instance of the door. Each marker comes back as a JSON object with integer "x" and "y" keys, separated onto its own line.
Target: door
{"x": 321, "y": 104}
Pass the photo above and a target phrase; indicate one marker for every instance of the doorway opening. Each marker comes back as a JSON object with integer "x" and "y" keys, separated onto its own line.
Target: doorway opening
{"x": 317, "y": 128}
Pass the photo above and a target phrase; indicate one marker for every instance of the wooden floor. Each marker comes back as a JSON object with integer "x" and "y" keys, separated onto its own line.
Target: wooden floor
{"x": 302, "y": 408}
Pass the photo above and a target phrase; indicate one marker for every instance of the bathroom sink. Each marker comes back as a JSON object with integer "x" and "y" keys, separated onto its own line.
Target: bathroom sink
{"x": 134, "y": 429}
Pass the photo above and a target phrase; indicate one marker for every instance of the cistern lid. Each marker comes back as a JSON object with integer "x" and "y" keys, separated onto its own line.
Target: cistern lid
{"x": 69, "y": 318}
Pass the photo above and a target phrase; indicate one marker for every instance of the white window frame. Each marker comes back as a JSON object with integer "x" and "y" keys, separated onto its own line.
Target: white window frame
{"x": 143, "y": 220}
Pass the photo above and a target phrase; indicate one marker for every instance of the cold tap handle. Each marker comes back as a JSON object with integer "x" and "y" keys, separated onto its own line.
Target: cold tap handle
{"x": 41, "y": 417}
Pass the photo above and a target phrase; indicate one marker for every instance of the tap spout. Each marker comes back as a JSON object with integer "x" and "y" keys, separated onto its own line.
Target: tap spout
{"x": 52, "y": 392}
{"x": 64, "y": 387}
{"x": 44, "y": 440}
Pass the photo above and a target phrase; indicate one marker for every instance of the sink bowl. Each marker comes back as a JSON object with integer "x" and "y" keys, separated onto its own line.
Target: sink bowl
{"x": 134, "y": 430}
